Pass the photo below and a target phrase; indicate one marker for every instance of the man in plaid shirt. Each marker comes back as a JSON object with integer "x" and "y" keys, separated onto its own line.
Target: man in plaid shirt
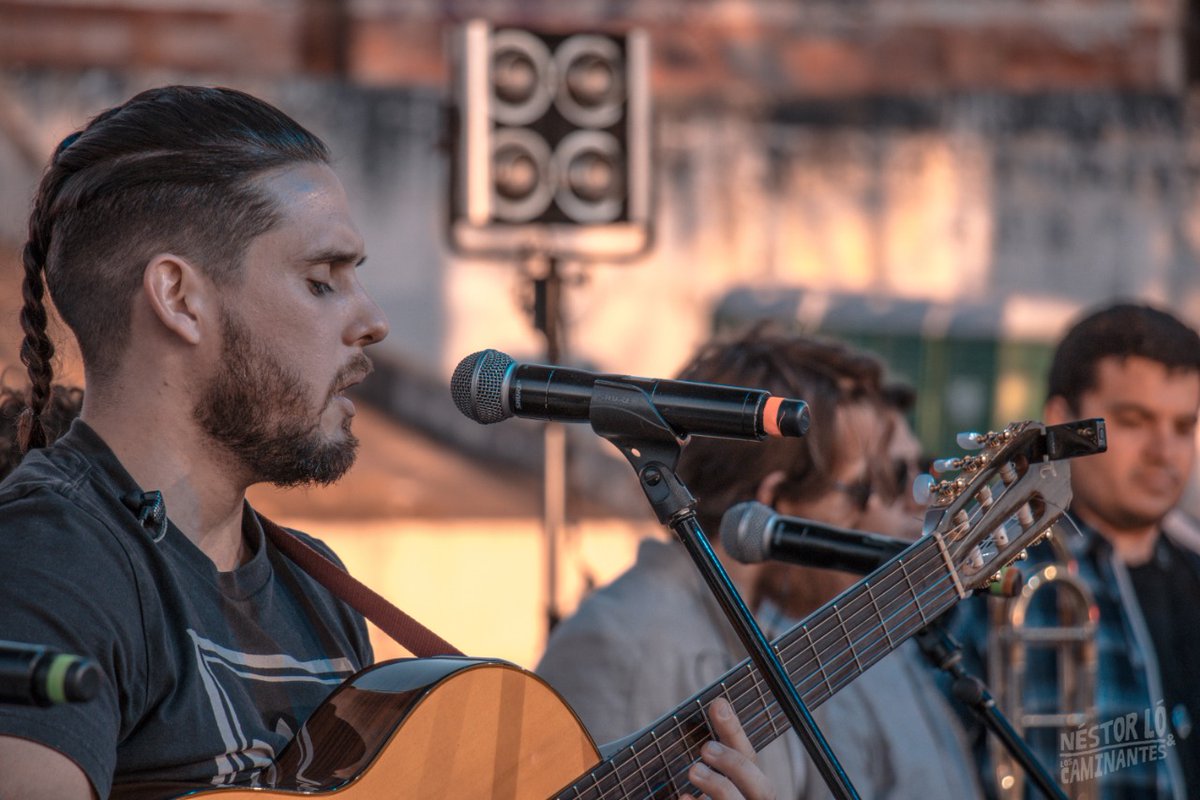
{"x": 1139, "y": 368}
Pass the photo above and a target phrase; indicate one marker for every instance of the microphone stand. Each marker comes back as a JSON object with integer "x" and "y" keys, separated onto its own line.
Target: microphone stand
{"x": 625, "y": 415}
{"x": 944, "y": 652}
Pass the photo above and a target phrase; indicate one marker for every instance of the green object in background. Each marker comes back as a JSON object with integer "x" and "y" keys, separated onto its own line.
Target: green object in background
{"x": 975, "y": 366}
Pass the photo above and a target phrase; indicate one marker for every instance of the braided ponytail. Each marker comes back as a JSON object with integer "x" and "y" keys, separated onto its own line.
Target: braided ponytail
{"x": 37, "y": 350}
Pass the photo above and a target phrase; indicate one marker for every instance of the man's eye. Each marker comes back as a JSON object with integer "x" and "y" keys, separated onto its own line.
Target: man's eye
{"x": 319, "y": 287}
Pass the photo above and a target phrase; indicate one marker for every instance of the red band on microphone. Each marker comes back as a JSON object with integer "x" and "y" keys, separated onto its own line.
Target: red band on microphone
{"x": 771, "y": 416}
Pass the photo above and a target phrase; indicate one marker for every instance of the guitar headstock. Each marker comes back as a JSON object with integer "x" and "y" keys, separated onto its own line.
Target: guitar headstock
{"x": 992, "y": 503}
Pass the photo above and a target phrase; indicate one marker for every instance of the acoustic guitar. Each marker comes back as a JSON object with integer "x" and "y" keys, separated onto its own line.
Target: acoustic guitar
{"x": 450, "y": 728}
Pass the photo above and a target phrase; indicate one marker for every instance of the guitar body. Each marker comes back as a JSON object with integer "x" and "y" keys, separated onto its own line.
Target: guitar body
{"x": 442, "y": 728}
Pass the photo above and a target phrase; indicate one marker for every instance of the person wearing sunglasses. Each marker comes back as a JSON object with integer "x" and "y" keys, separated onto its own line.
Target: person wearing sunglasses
{"x": 638, "y": 647}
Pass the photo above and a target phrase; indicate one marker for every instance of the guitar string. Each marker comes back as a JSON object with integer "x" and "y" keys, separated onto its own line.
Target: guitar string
{"x": 692, "y": 724}
{"x": 819, "y": 683}
{"x": 878, "y": 642}
{"x": 774, "y": 711}
{"x": 739, "y": 689}
{"x": 903, "y": 582}
{"x": 758, "y": 737}
{"x": 696, "y": 724}
{"x": 826, "y": 613}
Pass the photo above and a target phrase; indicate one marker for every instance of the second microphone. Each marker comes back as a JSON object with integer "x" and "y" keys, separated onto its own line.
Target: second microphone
{"x": 753, "y": 532}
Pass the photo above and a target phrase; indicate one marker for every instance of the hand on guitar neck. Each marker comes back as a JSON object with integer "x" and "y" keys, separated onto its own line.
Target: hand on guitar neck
{"x": 730, "y": 768}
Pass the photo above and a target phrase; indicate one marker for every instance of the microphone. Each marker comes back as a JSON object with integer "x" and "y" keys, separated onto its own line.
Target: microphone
{"x": 36, "y": 675}
{"x": 752, "y": 532}
{"x": 490, "y": 386}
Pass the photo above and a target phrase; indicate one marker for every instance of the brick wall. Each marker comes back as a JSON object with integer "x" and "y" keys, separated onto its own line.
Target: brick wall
{"x": 704, "y": 50}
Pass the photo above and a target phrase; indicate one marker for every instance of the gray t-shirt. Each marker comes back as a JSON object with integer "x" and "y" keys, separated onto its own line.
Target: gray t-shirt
{"x": 208, "y": 674}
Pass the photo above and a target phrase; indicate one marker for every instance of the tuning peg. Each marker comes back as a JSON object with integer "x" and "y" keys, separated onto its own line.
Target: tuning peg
{"x": 943, "y": 465}
{"x": 1021, "y": 556}
{"x": 1008, "y": 474}
{"x": 922, "y": 489}
{"x": 984, "y": 496}
{"x": 1009, "y": 584}
{"x": 1025, "y": 516}
{"x": 969, "y": 440}
{"x": 976, "y": 558}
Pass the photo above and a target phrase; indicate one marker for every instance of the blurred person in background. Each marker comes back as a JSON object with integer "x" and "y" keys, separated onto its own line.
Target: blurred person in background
{"x": 1138, "y": 367}
{"x": 640, "y": 646}
{"x": 202, "y": 251}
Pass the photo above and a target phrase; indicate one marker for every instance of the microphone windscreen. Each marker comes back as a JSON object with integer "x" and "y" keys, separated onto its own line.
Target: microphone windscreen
{"x": 744, "y": 531}
{"x": 477, "y": 386}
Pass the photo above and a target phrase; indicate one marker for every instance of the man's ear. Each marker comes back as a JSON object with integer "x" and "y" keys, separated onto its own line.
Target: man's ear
{"x": 179, "y": 295}
{"x": 768, "y": 487}
{"x": 1058, "y": 410}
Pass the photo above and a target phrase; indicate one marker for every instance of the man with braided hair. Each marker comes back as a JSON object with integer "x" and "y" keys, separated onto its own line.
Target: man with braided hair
{"x": 202, "y": 252}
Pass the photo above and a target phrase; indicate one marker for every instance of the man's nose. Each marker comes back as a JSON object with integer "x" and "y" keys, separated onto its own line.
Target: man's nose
{"x": 370, "y": 323}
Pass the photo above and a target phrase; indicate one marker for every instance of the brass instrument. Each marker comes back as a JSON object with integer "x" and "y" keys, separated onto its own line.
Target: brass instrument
{"x": 1010, "y": 640}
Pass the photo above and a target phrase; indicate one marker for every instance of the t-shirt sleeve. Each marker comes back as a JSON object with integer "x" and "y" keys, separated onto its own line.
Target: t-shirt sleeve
{"x": 58, "y": 561}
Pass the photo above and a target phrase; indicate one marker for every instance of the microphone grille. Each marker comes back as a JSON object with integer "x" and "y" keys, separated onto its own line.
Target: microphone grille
{"x": 744, "y": 531}
{"x": 477, "y": 386}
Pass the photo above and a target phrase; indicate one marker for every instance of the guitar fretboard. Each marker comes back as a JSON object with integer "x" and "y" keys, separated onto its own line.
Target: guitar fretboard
{"x": 834, "y": 645}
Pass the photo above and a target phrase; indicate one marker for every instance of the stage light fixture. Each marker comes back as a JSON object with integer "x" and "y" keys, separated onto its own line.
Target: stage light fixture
{"x": 552, "y": 143}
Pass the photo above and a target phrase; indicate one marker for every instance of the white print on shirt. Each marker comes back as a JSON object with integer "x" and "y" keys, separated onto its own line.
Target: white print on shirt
{"x": 221, "y": 667}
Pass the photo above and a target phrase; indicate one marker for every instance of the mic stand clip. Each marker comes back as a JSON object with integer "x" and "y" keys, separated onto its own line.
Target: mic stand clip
{"x": 944, "y": 652}
{"x": 625, "y": 415}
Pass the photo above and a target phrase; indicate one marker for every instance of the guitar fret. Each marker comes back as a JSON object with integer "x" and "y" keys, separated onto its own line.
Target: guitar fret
{"x": 636, "y": 755}
{"x": 913, "y": 592}
{"x": 724, "y": 692}
{"x": 624, "y": 770}
{"x": 611, "y": 781}
{"x": 767, "y": 702}
{"x": 767, "y": 706}
{"x": 820, "y": 664}
{"x": 662, "y": 757}
{"x": 879, "y": 613}
{"x": 596, "y": 789}
{"x": 704, "y": 718}
{"x": 849, "y": 639}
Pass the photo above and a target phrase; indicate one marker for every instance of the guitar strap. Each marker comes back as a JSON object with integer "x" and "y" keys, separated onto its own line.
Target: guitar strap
{"x": 415, "y": 637}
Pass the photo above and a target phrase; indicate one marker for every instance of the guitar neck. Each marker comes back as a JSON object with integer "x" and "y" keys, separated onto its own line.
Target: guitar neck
{"x": 831, "y": 648}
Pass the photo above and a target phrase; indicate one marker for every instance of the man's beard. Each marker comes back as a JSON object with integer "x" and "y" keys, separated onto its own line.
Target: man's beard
{"x": 258, "y": 410}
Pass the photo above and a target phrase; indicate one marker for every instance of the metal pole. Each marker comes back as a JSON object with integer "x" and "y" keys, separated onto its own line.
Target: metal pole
{"x": 547, "y": 319}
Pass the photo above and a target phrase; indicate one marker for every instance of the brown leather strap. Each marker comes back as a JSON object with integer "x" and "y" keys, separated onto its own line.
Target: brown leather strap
{"x": 415, "y": 637}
